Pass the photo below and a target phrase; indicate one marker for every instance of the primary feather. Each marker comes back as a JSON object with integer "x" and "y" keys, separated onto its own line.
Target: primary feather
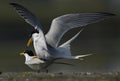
{"x": 27, "y": 15}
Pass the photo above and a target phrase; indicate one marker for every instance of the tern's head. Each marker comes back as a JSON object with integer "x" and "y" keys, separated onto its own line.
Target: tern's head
{"x": 27, "y": 52}
{"x": 30, "y": 58}
{"x": 34, "y": 34}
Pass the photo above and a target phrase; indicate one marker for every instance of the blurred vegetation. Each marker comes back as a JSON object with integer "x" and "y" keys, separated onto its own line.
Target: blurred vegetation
{"x": 102, "y": 39}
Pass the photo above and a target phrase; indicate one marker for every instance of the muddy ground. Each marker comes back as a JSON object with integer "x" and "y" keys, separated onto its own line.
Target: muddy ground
{"x": 83, "y": 76}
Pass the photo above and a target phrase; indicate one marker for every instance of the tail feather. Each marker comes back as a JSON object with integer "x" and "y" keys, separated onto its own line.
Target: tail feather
{"x": 65, "y": 47}
{"x": 67, "y": 44}
{"x": 80, "y": 56}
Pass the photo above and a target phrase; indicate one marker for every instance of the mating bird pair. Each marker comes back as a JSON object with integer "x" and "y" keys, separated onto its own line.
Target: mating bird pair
{"x": 46, "y": 46}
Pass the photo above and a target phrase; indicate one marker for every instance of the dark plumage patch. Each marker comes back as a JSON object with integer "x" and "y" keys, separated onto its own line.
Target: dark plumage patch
{"x": 29, "y": 52}
{"x": 34, "y": 31}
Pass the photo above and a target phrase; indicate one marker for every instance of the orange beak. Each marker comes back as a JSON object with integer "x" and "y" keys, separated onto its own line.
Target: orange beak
{"x": 29, "y": 42}
{"x": 22, "y": 54}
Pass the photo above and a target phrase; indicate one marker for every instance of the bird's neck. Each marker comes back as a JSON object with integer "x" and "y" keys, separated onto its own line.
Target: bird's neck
{"x": 27, "y": 57}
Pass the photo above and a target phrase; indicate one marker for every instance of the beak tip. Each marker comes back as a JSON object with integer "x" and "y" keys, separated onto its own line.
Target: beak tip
{"x": 21, "y": 54}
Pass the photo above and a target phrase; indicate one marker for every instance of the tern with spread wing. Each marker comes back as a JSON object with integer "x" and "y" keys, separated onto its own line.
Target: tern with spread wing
{"x": 46, "y": 46}
{"x": 36, "y": 63}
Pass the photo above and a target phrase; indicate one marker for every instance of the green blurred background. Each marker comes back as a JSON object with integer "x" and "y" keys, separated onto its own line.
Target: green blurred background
{"x": 102, "y": 39}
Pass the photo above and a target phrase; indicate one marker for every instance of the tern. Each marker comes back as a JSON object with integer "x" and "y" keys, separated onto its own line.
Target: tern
{"x": 47, "y": 45}
{"x": 32, "y": 61}
{"x": 36, "y": 63}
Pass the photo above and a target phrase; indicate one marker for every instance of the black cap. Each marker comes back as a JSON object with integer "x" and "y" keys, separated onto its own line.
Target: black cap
{"x": 34, "y": 31}
{"x": 29, "y": 52}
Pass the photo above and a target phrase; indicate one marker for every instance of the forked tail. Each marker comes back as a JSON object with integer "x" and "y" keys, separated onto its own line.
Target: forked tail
{"x": 80, "y": 56}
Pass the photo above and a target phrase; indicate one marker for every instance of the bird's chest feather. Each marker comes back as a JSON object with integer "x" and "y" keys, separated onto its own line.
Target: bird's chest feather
{"x": 41, "y": 50}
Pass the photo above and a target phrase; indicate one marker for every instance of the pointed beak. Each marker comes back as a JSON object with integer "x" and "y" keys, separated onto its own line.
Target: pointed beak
{"x": 29, "y": 42}
{"x": 22, "y": 54}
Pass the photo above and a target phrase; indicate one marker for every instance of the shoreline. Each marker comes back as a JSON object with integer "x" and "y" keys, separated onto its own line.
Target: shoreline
{"x": 80, "y": 76}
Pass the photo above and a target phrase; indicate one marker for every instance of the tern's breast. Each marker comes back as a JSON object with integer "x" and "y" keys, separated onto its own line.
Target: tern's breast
{"x": 40, "y": 50}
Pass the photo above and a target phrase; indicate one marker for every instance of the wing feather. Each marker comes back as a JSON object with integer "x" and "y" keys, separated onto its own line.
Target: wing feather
{"x": 32, "y": 20}
{"x": 62, "y": 24}
{"x": 27, "y": 15}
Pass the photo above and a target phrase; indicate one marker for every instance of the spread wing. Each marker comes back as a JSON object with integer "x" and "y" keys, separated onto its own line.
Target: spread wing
{"x": 27, "y": 15}
{"x": 32, "y": 20}
{"x": 62, "y": 24}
